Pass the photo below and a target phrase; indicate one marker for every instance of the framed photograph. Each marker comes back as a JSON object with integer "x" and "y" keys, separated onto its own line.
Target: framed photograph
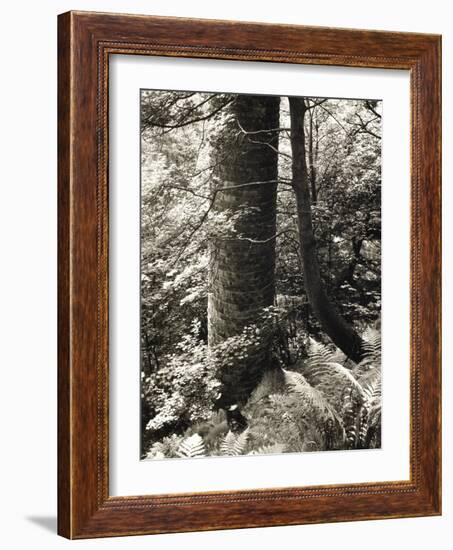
{"x": 249, "y": 275}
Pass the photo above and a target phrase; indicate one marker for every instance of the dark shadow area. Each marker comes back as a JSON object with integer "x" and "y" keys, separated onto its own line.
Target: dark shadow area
{"x": 49, "y": 523}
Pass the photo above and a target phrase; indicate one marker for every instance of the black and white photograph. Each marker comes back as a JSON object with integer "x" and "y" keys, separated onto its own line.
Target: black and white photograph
{"x": 260, "y": 274}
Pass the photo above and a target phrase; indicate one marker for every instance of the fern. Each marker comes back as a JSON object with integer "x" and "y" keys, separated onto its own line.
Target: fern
{"x": 351, "y": 410}
{"x": 373, "y": 393}
{"x": 294, "y": 380}
{"x": 192, "y": 447}
{"x": 166, "y": 448}
{"x": 362, "y": 414}
{"x": 312, "y": 397}
{"x": 234, "y": 445}
{"x": 372, "y": 342}
{"x": 271, "y": 383}
{"x": 363, "y": 426}
{"x": 319, "y": 354}
{"x": 323, "y": 404}
{"x": 371, "y": 351}
{"x": 372, "y": 386}
{"x": 323, "y": 371}
{"x": 331, "y": 374}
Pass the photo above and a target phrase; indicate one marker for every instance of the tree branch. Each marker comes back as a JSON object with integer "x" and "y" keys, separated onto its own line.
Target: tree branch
{"x": 191, "y": 121}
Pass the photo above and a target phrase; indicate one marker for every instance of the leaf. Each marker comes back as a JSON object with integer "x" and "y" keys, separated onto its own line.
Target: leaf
{"x": 297, "y": 383}
{"x": 234, "y": 445}
{"x": 192, "y": 447}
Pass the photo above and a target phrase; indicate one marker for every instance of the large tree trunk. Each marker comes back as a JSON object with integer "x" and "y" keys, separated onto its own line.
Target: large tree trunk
{"x": 242, "y": 266}
{"x": 341, "y": 333}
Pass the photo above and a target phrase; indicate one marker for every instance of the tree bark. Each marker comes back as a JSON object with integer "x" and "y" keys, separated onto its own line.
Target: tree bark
{"x": 311, "y": 159}
{"x": 242, "y": 280}
{"x": 341, "y": 333}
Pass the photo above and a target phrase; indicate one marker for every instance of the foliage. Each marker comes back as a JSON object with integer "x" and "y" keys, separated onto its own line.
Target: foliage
{"x": 312, "y": 398}
{"x": 183, "y": 390}
{"x": 192, "y": 447}
{"x": 316, "y": 409}
{"x": 234, "y": 444}
{"x": 345, "y": 178}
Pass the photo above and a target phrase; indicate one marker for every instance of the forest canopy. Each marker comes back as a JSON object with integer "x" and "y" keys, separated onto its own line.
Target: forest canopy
{"x": 260, "y": 274}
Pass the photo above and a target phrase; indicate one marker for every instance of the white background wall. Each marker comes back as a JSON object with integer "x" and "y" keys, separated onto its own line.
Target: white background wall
{"x": 28, "y": 125}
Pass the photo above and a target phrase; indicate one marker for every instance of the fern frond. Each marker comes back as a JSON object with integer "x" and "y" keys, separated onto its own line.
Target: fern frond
{"x": 372, "y": 386}
{"x": 350, "y": 411}
{"x": 241, "y": 442}
{"x": 372, "y": 341}
{"x": 361, "y": 415}
{"x": 227, "y": 444}
{"x": 320, "y": 354}
{"x": 331, "y": 373}
{"x": 192, "y": 447}
{"x": 297, "y": 383}
{"x": 271, "y": 383}
{"x": 363, "y": 426}
{"x": 374, "y": 398}
{"x": 371, "y": 350}
{"x": 234, "y": 445}
{"x": 294, "y": 380}
{"x": 374, "y": 421}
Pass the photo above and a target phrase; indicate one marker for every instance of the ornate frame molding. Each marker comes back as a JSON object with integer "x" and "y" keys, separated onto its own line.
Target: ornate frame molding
{"x": 86, "y": 40}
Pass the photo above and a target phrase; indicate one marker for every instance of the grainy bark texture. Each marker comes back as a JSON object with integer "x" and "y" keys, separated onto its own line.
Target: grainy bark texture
{"x": 242, "y": 267}
{"x": 342, "y": 334}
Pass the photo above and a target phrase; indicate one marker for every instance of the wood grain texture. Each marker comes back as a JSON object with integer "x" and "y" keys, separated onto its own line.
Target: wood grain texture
{"x": 85, "y": 42}
{"x": 64, "y": 308}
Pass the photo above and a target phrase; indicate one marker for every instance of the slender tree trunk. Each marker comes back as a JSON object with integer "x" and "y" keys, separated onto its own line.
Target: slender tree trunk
{"x": 242, "y": 267}
{"x": 311, "y": 159}
{"x": 341, "y": 333}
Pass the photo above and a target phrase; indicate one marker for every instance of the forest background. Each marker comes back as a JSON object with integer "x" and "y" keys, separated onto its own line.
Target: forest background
{"x": 260, "y": 274}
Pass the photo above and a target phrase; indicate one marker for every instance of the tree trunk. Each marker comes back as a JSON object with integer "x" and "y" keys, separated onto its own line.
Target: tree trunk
{"x": 341, "y": 333}
{"x": 241, "y": 278}
{"x": 311, "y": 160}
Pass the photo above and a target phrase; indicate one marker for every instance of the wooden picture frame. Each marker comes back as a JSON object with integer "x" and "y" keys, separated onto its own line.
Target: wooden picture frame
{"x": 85, "y": 42}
